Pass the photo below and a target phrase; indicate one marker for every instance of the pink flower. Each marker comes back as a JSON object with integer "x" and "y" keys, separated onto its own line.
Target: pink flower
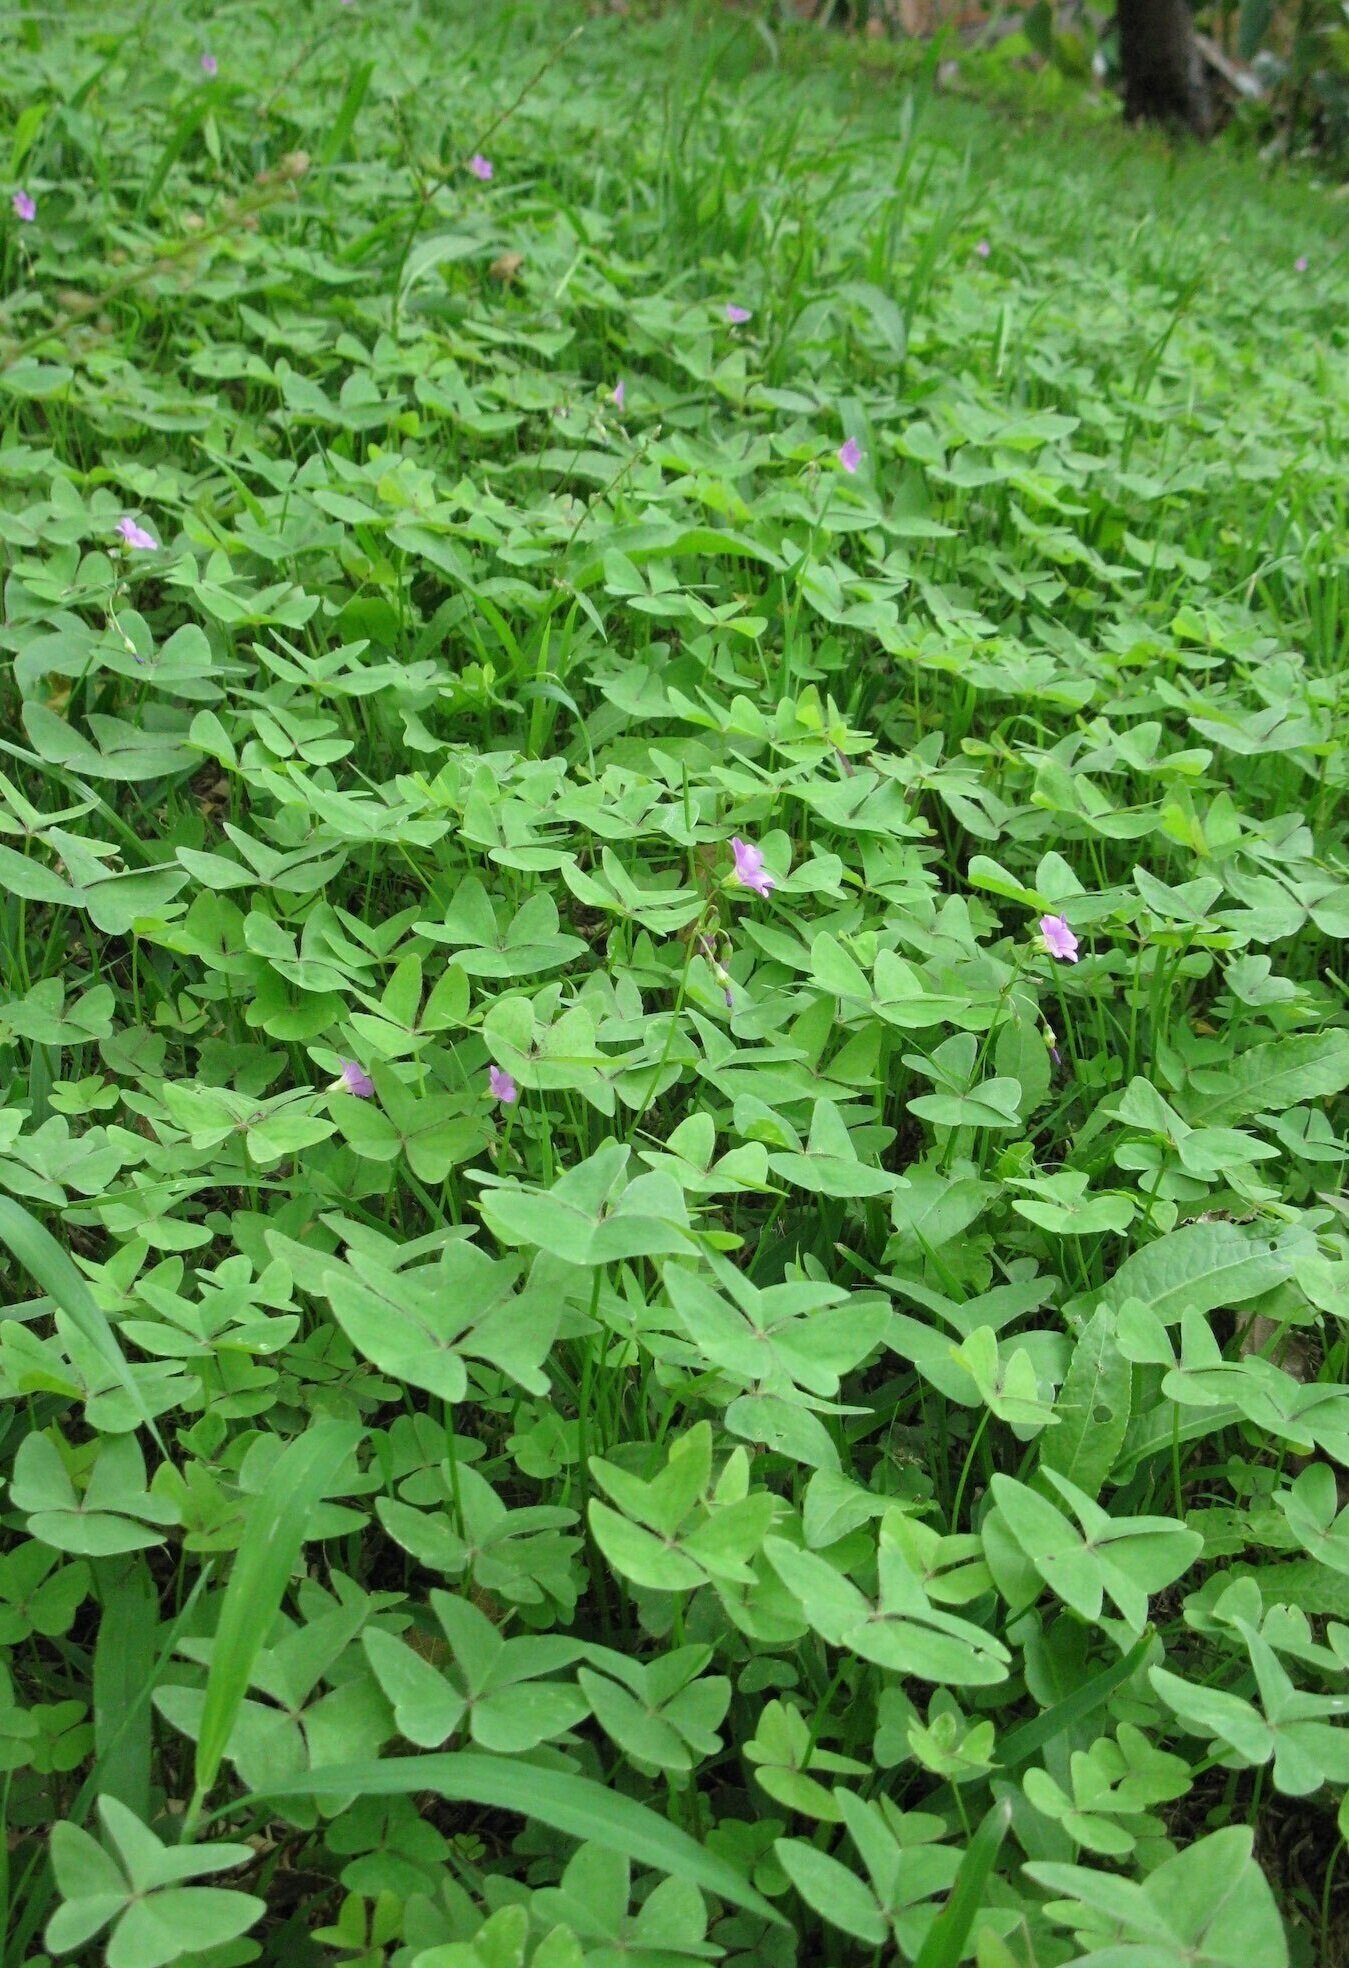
{"x": 1058, "y": 938}
{"x": 850, "y": 454}
{"x": 136, "y": 536}
{"x": 355, "y": 1080}
{"x": 479, "y": 166}
{"x": 209, "y": 65}
{"x": 1301, "y": 263}
{"x": 736, "y": 315}
{"x": 750, "y": 871}
{"x": 620, "y": 395}
{"x": 503, "y": 1087}
{"x": 983, "y": 249}
{"x": 25, "y": 206}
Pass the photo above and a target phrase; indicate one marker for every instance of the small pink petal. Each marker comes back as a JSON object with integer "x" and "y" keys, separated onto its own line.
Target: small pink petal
{"x": 354, "y": 1079}
{"x": 749, "y": 869}
{"x": 983, "y": 249}
{"x": 1058, "y": 938}
{"x": 25, "y": 206}
{"x": 136, "y": 537}
{"x": 1301, "y": 263}
{"x": 209, "y": 65}
{"x": 479, "y": 166}
{"x": 737, "y": 315}
{"x": 620, "y": 395}
{"x": 850, "y": 454}
{"x": 502, "y": 1086}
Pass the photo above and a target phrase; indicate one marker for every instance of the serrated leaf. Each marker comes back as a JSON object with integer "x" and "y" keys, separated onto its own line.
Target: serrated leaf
{"x": 1092, "y": 1407}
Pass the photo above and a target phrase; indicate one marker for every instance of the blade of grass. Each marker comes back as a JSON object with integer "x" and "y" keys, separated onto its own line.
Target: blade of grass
{"x": 180, "y": 136}
{"x": 1019, "y": 1745}
{"x": 946, "y": 1937}
{"x": 575, "y": 1805}
{"x": 124, "y": 1661}
{"x": 35, "y": 1888}
{"x": 262, "y": 1568}
{"x": 348, "y": 110}
{"x": 36, "y": 1249}
{"x": 4, "y": 1854}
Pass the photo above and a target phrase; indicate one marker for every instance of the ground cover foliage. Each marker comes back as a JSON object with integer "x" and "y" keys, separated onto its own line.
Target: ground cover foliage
{"x": 608, "y": 1358}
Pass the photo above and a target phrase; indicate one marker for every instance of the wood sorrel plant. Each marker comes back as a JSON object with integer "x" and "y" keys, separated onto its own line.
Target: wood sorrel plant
{"x": 672, "y": 1023}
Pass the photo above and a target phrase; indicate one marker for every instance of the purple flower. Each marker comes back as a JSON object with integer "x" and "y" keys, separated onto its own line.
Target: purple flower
{"x": 750, "y": 871}
{"x": 503, "y": 1087}
{"x": 136, "y": 536}
{"x": 479, "y": 166}
{"x": 355, "y": 1080}
{"x": 209, "y": 65}
{"x": 620, "y": 395}
{"x": 736, "y": 315}
{"x": 850, "y": 454}
{"x": 983, "y": 249}
{"x": 25, "y": 206}
{"x": 1058, "y": 938}
{"x": 1301, "y": 263}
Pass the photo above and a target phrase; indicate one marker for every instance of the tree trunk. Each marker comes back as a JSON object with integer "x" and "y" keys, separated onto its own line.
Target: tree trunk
{"x": 1163, "y": 73}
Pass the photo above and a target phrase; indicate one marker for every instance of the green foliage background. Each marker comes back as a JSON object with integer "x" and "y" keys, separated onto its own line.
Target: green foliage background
{"x": 849, "y": 1464}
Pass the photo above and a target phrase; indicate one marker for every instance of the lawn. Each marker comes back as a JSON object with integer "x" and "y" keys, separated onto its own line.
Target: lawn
{"x": 673, "y": 1027}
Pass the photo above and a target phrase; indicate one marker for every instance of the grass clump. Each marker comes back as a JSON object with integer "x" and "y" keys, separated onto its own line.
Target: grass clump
{"x": 673, "y": 1032}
